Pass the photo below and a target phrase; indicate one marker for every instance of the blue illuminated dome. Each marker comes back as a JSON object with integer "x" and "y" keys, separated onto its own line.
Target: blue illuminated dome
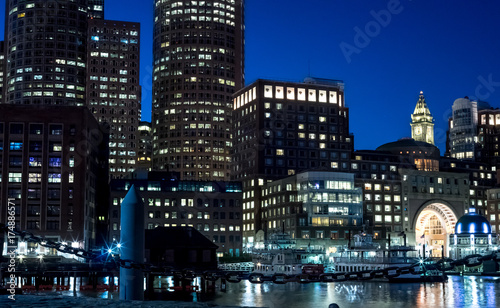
{"x": 472, "y": 223}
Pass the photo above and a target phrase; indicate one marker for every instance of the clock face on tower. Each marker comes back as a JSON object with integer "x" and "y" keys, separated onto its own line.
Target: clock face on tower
{"x": 418, "y": 130}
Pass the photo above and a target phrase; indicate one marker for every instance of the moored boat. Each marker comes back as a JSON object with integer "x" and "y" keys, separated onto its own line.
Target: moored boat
{"x": 280, "y": 256}
{"x": 367, "y": 256}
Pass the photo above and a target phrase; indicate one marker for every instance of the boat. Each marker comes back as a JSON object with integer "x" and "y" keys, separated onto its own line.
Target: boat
{"x": 280, "y": 256}
{"x": 366, "y": 256}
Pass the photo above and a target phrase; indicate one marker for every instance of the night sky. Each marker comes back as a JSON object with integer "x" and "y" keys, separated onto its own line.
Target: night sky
{"x": 385, "y": 51}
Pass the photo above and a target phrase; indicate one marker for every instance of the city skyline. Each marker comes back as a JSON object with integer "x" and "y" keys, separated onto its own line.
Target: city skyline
{"x": 447, "y": 52}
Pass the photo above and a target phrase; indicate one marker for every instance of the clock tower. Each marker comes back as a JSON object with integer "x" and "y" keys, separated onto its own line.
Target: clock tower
{"x": 422, "y": 122}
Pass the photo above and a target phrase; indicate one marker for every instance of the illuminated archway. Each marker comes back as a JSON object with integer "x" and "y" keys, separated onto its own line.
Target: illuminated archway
{"x": 435, "y": 221}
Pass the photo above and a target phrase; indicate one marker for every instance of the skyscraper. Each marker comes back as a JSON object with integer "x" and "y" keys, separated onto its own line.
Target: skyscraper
{"x": 198, "y": 65}
{"x": 422, "y": 122}
{"x": 463, "y": 128}
{"x": 45, "y": 52}
{"x": 282, "y": 129}
{"x": 113, "y": 90}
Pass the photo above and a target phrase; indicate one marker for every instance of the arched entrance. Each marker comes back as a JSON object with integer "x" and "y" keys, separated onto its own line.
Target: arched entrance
{"x": 434, "y": 223}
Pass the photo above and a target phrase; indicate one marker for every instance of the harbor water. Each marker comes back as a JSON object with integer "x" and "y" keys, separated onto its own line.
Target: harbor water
{"x": 458, "y": 291}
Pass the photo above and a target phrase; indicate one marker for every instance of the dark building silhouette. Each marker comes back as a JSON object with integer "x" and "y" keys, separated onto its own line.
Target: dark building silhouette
{"x": 2, "y": 70}
{"x": 180, "y": 247}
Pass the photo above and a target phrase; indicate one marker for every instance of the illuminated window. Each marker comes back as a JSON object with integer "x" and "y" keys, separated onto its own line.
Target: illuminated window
{"x": 268, "y": 91}
{"x": 54, "y": 178}
{"x": 34, "y": 177}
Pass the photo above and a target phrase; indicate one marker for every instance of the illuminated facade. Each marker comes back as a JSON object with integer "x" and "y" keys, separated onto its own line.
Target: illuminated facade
{"x": 313, "y": 205}
{"x": 46, "y": 54}
{"x": 113, "y": 90}
{"x": 473, "y": 235}
{"x": 213, "y": 208}
{"x": 53, "y": 167}
{"x": 493, "y": 209}
{"x": 145, "y": 146}
{"x": 284, "y": 128}
{"x": 422, "y": 122}
{"x": 463, "y": 129}
{"x": 198, "y": 64}
{"x": 488, "y": 139}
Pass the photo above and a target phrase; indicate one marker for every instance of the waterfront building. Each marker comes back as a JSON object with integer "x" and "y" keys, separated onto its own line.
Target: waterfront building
{"x": 53, "y": 163}
{"x": 422, "y": 122}
{"x": 377, "y": 174}
{"x": 473, "y": 235}
{"x": 313, "y": 207}
{"x": 145, "y": 146}
{"x": 198, "y": 64}
{"x": 213, "y": 208}
{"x": 284, "y": 128}
{"x": 409, "y": 189}
{"x": 113, "y": 90}
{"x": 45, "y": 52}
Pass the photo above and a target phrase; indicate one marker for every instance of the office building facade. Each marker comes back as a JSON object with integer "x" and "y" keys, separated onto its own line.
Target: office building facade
{"x": 284, "y": 128}
{"x": 46, "y": 56}
{"x": 198, "y": 64}
{"x": 463, "y": 129}
{"x": 212, "y": 208}
{"x": 113, "y": 90}
{"x": 53, "y": 161}
{"x": 314, "y": 205}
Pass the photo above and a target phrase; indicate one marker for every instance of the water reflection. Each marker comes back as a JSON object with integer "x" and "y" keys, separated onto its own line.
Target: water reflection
{"x": 457, "y": 292}
{"x": 351, "y": 292}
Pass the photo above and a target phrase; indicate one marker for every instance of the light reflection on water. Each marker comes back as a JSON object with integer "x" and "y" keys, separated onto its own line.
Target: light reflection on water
{"x": 470, "y": 291}
{"x": 459, "y": 291}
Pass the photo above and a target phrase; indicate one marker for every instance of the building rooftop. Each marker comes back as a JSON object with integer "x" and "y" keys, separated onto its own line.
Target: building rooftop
{"x": 472, "y": 223}
{"x": 410, "y": 145}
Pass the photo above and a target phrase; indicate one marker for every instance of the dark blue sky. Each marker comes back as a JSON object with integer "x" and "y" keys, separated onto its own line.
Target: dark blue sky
{"x": 448, "y": 49}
